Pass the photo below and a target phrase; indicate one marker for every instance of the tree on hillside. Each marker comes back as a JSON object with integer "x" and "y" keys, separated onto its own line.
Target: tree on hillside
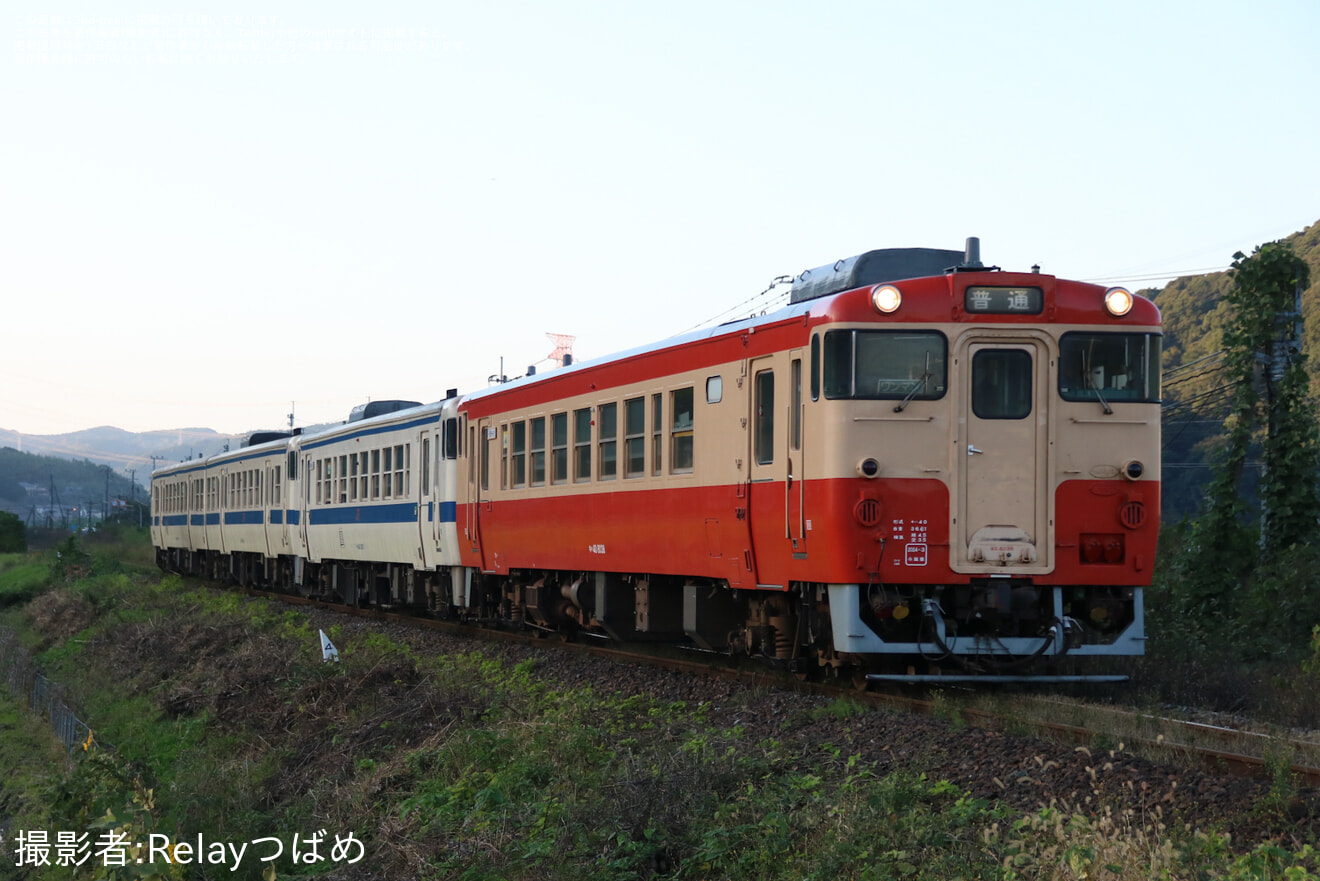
{"x": 1263, "y": 341}
{"x": 1270, "y": 406}
{"x": 13, "y": 537}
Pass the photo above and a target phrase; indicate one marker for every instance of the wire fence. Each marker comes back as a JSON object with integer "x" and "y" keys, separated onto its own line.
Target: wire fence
{"x": 44, "y": 696}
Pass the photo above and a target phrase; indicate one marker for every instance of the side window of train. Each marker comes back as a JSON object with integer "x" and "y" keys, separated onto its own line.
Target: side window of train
{"x": 538, "y": 451}
{"x": 403, "y": 470}
{"x": 518, "y": 456}
{"x": 634, "y": 433}
{"x": 609, "y": 440}
{"x": 582, "y": 445}
{"x": 1001, "y": 384}
{"x": 559, "y": 448}
{"x": 657, "y": 433}
{"x": 681, "y": 428}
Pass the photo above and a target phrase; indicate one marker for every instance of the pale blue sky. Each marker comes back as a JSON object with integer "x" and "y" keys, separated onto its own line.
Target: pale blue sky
{"x": 211, "y": 210}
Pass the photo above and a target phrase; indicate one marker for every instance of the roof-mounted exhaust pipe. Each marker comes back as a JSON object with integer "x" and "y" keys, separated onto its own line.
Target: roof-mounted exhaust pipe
{"x": 972, "y": 255}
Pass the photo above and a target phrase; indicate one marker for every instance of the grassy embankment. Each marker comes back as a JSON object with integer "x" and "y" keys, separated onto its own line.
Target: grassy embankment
{"x": 226, "y": 723}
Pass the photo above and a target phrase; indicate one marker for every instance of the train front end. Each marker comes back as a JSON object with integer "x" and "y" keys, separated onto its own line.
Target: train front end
{"x": 987, "y": 446}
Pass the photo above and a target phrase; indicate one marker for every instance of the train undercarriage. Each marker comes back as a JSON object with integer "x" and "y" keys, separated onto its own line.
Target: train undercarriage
{"x": 987, "y": 630}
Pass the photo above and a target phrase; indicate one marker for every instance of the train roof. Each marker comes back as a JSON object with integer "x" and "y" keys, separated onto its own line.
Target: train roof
{"x": 876, "y": 267}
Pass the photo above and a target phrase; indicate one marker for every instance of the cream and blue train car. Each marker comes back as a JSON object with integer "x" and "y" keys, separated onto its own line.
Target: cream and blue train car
{"x": 223, "y": 517}
{"x": 178, "y": 514}
{"x": 376, "y": 500}
{"x": 245, "y": 492}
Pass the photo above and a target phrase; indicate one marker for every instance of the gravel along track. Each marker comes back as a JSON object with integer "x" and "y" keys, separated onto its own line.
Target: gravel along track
{"x": 1024, "y": 772}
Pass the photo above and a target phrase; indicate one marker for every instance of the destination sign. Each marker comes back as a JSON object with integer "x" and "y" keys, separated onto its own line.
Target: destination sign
{"x": 987, "y": 300}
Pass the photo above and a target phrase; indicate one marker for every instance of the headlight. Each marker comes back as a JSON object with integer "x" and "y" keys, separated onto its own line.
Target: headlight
{"x": 1118, "y": 301}
{"x": 886, "y": 298}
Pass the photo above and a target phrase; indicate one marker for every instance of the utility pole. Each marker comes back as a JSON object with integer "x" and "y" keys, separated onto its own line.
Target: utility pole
{"x": 1284, "y": 350}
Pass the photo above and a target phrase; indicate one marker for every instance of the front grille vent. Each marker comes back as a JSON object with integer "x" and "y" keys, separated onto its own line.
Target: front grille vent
{"x": 1132, "y": 514}
{"x": 867, "y": 512}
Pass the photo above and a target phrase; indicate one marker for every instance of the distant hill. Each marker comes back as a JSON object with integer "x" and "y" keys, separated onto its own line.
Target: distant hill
{"x": 60, "y": 491}
{"x": 121, "y": 449}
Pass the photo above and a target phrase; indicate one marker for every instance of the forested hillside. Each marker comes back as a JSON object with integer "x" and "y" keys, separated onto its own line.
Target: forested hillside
{"x": 1195, "y": 390}
{"x": 25, "y": 482}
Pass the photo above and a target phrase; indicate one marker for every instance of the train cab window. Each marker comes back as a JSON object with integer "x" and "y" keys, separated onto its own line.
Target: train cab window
{"x": 518, "y": 455}
{"x": 886, "y": 365}
{"x": 1001, "y": 384}
{"x": 763, "y": 437}
{"x": 609, "y": 441}
{"x": 680, "y": 432}
{"x": 815, "y": 367}
{"x": 582, "y": 445}
{"x": 559, "y": 448}
{"x": 451, "y": 438}
{"x": 538, "y": 451}
{"x": 1110, "y": 367}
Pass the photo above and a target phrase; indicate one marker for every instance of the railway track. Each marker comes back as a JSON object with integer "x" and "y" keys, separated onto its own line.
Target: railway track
{"x": 1214, "y": 748}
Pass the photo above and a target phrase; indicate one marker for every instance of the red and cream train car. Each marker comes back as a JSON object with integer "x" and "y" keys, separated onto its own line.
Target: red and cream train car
{"x": 919, "y": 466}
{"x": 919, "y": 460}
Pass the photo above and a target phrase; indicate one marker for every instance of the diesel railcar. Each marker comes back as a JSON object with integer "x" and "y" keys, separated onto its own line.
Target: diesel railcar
{"x": 921, "y": 466}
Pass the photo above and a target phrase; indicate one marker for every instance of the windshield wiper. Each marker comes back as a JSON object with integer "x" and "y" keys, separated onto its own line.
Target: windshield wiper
{"x": 1086, "y": 372}
{"x": 920, "y": 385}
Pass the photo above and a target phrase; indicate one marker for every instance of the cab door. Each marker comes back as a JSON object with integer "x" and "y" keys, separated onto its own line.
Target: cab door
{"x": 1003, "y": 517}
{"x": 480, "y": 455}
{"x": 778, "y": 520}
{"x": 427, "y": 513}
